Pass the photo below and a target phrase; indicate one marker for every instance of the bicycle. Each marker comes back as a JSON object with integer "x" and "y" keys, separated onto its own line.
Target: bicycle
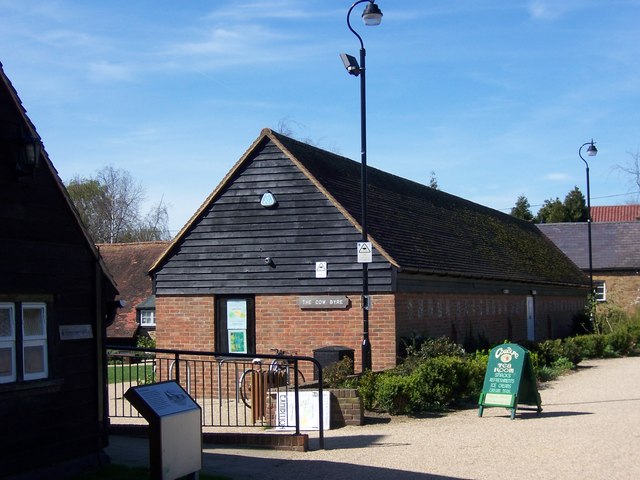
{"x": 278, "y": 375}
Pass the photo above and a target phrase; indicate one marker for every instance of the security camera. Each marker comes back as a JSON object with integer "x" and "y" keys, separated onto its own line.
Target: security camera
{"x": 268, "y": 260}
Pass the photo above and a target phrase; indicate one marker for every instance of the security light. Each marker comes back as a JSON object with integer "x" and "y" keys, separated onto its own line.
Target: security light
{"x": 351, "y": 64}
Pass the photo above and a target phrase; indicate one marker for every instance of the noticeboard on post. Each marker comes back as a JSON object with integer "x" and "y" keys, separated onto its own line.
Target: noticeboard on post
{"x": 175, "y": 429}
{"x": 509, "y": 380}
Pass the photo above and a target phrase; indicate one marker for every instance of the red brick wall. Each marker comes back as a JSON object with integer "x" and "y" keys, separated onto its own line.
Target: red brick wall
{"x": 555, "y": 315}
{"x": 281, "y": 323}
{"x": 493, "y": 317}
{"x": 185, "y": 323}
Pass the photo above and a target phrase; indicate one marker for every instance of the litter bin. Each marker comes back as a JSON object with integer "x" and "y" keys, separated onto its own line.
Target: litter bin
{"x": 329, "y": 355}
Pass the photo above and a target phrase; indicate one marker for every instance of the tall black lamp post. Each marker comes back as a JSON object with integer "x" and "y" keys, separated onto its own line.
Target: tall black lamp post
{"x": 372, "y": 16}
{"x": 592, "y": 151}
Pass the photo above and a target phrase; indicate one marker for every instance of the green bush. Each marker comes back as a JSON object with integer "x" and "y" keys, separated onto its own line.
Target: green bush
{"x": 367, "y": 389}
{"x": 620, "y": 341}
{"x": 433, "y": 384}
{"x": 572, "y": 351}
{"x": 549, "y": 351}
{"x": 590, "y": 346}
{"x": 339, "y": 374}
{"x": 553, "y": 370}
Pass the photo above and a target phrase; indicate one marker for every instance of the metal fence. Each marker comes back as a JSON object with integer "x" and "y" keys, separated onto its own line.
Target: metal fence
{"x": 233, "y": 390}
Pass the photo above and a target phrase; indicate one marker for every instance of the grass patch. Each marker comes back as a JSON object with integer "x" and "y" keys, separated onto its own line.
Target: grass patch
{"x": 120, "y": 472}
{"x": 135, "y": 372}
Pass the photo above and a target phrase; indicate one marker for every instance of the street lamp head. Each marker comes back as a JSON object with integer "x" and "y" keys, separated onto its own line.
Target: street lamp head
{"x": 372, "y": 15}
{"x": 592, "y": 151}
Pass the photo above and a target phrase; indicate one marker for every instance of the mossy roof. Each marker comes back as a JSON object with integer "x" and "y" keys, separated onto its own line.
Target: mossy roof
{"x": 426, "y": 230}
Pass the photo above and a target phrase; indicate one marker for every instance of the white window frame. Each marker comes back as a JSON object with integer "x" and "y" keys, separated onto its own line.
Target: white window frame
{"x": 38, "y": 340}
{"x": 600, "y": 288}
{"x": 9, "y": 342}
{"x": 144, "y": 322}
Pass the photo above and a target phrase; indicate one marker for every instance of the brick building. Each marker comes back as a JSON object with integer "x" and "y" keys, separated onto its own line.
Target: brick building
{"x": 615, "y": 254}
{"x": 129, "y": 263}
{"x": 270, "y": 260}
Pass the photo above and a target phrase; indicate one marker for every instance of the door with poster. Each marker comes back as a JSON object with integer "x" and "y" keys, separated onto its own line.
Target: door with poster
{"x": 235, "y": 325}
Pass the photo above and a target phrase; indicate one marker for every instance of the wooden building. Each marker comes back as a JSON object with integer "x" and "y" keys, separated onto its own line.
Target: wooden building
{"x": 55, "y": 299}
{"x": 270, "y": 260}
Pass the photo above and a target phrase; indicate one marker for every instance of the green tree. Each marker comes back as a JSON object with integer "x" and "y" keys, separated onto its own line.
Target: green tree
{"x": 552, "y": 211}
{"x": 109, "y": 205}
{"x": 433, "y": 180}
{"x": 575, "y": 206}
{"x": 522, "y": 209}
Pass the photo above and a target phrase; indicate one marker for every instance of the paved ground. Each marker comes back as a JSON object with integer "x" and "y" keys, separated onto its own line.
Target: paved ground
{"x": 589, "y": 429}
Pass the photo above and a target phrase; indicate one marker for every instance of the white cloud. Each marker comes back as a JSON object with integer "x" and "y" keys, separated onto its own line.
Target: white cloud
{"x": 107, "y": 71}
{"x": 557, "y": 177}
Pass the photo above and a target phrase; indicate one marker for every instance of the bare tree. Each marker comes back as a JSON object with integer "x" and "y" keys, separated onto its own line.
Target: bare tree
{"x": 632, "y": 170}
{"x": 110, "y": 204}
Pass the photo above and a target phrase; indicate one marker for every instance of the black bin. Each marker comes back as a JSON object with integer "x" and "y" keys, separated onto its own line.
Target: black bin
{"x": 329, "y": 355}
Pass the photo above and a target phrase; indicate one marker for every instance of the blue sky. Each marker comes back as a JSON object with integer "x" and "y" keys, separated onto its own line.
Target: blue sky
{"x": 494, "y": 96}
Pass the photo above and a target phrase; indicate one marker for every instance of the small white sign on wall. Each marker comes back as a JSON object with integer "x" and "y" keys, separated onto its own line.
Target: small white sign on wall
{"x": 75, "y": 332}
{"x": 365, "y": 252}
{"x": 321, "y": 269}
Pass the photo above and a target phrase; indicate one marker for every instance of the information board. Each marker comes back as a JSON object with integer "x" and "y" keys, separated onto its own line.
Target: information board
{"x": 175, "y": 429}
{"x": 509, "y": 380}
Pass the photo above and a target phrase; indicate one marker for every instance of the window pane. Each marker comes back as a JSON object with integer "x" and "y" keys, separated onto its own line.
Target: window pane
{"x": 5, "y": 324}
{"x": 33, "y": 321}
{"x": 34, "y": 360}
{"x": 7, "y": 364}
{"x": 147, "y": 317}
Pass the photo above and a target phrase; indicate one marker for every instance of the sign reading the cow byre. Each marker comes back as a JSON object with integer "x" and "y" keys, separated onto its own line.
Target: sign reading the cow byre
{"x": 323, "y": 302}
{"x": 509, "y": 380}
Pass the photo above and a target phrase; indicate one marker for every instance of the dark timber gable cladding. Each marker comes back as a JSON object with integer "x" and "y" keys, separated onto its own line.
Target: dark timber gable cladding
{"x": 225, "y": 249}
{"x": 414, "y": 229}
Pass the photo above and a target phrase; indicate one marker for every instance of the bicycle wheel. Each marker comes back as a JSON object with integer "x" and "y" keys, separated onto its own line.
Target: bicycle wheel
{"x": 245, "y": 386}
{"x": 301, "y": 378}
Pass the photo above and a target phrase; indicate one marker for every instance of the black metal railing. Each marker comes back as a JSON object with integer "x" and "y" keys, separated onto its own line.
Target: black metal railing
{"x": 233, "y": 390}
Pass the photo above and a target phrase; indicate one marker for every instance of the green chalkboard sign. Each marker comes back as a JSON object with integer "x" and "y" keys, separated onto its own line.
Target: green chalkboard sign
{"x": 509, "y": 380}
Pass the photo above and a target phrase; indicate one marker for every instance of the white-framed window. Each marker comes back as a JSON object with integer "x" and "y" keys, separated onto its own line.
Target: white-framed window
{"x": 23, "y": 341}
{"x": 600, "y": 288}
{"x": 147, "y": 318}
{"x": 7, "y": 343}
{"x": 34, "y": 341}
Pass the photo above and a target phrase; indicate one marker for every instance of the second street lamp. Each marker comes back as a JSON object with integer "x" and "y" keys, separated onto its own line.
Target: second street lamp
{"x": 371, "y": 16}
{"x": 592, "y": 151}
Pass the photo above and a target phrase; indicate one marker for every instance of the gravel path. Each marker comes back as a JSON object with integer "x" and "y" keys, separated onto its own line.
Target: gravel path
{"x": 589, "y": 429}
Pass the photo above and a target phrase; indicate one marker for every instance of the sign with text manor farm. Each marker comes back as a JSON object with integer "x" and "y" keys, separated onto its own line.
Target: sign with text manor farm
{"x": 509, "y": 380}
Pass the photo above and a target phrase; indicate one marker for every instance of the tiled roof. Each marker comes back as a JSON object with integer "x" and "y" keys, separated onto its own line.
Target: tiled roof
{"x": 426, "y": 230}
{"x": 129, "y": 263}
{"x": 614, "y": 246}
{"x": 616, "y": 213}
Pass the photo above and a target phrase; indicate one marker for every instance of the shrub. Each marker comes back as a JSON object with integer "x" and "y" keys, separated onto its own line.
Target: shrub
{"x": 367, "y": 389}
{"x": 549, "y": 351}
{"x": 339, "y": 374}
{"x": 572, "y": 351}
{"x": 552, "y": 371}
{"x": 590, "y": 346}
{"x": 618, "y": 342}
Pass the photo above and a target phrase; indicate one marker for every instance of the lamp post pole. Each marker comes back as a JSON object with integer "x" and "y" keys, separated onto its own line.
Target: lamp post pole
{"x": 372, "y": 16}
{"x": 592, "y": 151}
